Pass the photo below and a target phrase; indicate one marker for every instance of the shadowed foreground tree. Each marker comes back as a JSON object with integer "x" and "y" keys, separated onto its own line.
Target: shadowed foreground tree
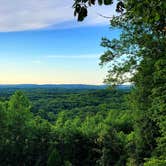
{"x": 139, "y": 56}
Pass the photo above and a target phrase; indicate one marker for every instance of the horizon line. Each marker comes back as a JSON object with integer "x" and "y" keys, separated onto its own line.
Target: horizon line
{"x": 49, "y": 84}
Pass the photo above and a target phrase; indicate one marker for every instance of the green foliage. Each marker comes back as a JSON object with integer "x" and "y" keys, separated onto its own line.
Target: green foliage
{"x": 54, "y": 158}
{"x": 138, "y": 56}
{"x": 97, "y": 128}
{"x": 155, "y": 162}
{"x": 92, "y": 139}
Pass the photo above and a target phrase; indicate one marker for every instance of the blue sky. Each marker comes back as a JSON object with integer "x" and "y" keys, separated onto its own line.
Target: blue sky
{"x": 42, "y": 44}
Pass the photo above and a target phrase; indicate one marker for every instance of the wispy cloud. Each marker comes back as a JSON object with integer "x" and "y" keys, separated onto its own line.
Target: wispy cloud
{"x": 90, "y": 56}
{"x": 36, "y": 61}
{"x": 44, "y": 59}
{"x": 20, "y": 15}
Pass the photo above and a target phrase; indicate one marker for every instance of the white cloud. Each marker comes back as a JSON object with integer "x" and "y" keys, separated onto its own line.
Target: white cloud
{"x": 19, "y": 15}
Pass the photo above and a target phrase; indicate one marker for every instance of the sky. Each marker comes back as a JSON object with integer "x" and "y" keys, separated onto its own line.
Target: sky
{"x": 42, "y": 43}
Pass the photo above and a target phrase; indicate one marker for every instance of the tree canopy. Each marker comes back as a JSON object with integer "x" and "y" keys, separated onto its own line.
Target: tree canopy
{"x": 139, "y": 57}
{"x": 111, "y": 127}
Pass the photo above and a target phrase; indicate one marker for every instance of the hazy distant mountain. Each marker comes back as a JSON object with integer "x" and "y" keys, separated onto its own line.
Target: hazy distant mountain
{"x": 61, "y": 86}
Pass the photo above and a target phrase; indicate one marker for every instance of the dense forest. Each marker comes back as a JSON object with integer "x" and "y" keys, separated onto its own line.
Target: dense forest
{"x": 60, "y": 127}
{"x": 107, "y": 127}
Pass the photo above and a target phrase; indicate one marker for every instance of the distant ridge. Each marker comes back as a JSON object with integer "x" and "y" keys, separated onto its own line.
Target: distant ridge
{"x": 59, "y": 86}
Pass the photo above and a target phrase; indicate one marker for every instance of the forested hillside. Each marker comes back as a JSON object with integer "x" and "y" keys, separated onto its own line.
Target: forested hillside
{"x": 92, "y": 127}
{"x": 104, "y": 127}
